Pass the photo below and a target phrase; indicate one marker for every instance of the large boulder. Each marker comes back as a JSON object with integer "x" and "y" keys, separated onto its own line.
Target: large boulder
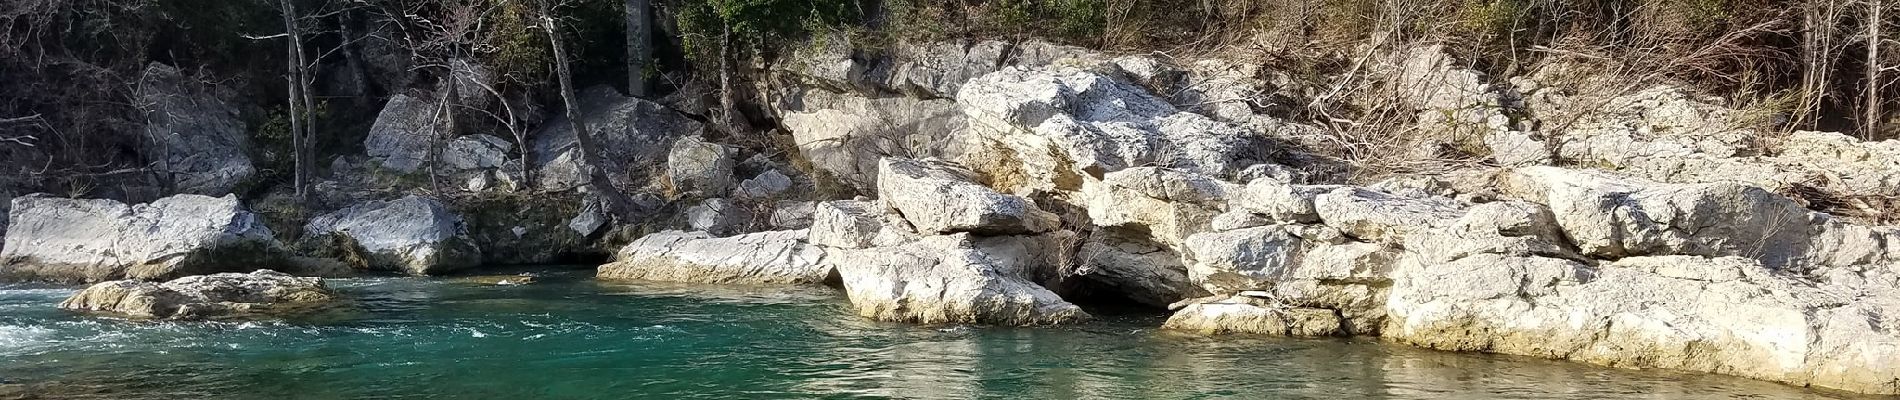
{"x": 404, "y": 131}
{"x": 949, "y": 279}
{"x": 197, "y": 140}
{"x": 939, "y": 197}
{"x": 1170, "y": 204}
{"x": 75, "y": 240}
{"x": 632, "y": 133}
{"x": 1613, "y": 217}
{"x": 1729, "y": 315}
{"x": 1047, "y": 128}
{"x": 476, "y": 151}
{"x": 260, "y": 294}
{"x": 844, "y": 137}
{"x": 697, "y": 166}
{"x": 1120, "y": 264}
{"x": 777, "y": 257}
{"x": 415, "y": 235}
{"x": 856, "y": 224}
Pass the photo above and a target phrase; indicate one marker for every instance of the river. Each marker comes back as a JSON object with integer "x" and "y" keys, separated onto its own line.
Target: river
{"x": 569, "y": 337}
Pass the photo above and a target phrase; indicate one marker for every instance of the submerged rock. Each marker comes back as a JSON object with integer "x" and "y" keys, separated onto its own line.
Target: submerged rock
{"x": 1240, "y": 314}
{"x": 948, "y": 279}
{"x": 415, "y": 235}
{"x": 78, "y": 240}
{"x": 259, "y": 294}
{"x": 778, "y": 257}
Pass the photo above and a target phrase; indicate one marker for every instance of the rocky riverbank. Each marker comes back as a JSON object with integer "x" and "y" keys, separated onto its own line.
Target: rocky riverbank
{"x": 1006, "y": 183}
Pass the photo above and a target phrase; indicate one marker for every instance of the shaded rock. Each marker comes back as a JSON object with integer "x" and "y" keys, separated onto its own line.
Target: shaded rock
{"x": 75, "y": 240}
{"x": 845, "y": 136}
{"x": 259, "y": 294}
{"x": 697, "y": 166}
{"x": 1611, "y": 217}
{"x": 946, "y": 279}
{"x": 404, "y": 132}
{"x": 1248, "y": 315}
{"x": 938, "y": 197}
{"x": 415, "y": 235}
{"x": 1130, "y": 266}
{"x": 777, "y": 257}
{"x": 476, "y": 151}
{"x": 540, "y": 228}
{"x": 1169, "y": 204}
{"x": 789, "y": 214}
{"x": 593, "y": 215}
{"x": 197, "y": 140}
{"x": 720, "y": 217}
{"x": 631, "y": 132}
{"x": 766, "y": 185}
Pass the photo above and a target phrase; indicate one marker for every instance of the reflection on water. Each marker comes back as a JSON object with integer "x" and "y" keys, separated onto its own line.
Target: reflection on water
{"x": 572, "y": 338}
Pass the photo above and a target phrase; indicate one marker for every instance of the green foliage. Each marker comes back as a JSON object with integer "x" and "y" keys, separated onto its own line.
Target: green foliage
{"x": 520, "y": 49}
{"x": 754, "y": 24}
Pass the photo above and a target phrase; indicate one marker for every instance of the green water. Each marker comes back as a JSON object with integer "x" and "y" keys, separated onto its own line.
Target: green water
{"x": 572, "y": 338}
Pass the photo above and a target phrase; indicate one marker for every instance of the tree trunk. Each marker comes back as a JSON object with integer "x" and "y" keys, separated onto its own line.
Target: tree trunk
{"x": 639, "y": 50}
{"x": 1871, "y": 110}
{"x": 728, "y": 101}
{"x": 297, "y": 98}
{"x": 583, "y": 138}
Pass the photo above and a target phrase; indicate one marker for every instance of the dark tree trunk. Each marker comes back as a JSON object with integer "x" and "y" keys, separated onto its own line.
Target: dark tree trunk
{"x": 583, "y": 137}
{"x": 299, "y": 98}
{"x": 639, "y": 46}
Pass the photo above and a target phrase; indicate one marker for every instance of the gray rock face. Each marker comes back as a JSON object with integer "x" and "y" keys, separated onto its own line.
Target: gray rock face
{"x": 403, "y": 133}
{"x": 697, "y": 166}
{"x": 765, "y": 185}
{"x": 74, "y": 240}
{"x": 196, "y": 139}
{"x": 777, "y": 257}
{"x": 851, "y": 224}
{"x": 1135, "y": 268}
{"x": 939, "y": 197}
{"x": 1729, "y": 314}
{"x": 718, "y": 216}
{"x": 789, "y": 214}
{"x": 593, "y": 215}
{"x": 947, "y": 279}
{"x": 476, "y": 151}
{"x": 1613, "y": 218}
{"x": 1052, "y": 126}
{"x": 633, "y": 133}
{"x": 844, "y": 136}
{"x": 415, "y": 235}
{"x": 1239, "y": 314}
{"x": 1170, "y": 204}
{"x": 260, "y": 294}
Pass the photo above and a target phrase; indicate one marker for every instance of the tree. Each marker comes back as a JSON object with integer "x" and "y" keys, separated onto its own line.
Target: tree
{"x": 302, "y": 120}
{"x": 588, "y": 150}
{"x": 728, "y": 31}
{"x": 639, "y": 46}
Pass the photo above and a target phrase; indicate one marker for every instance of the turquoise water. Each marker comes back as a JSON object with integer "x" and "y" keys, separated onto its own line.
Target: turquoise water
{"x": 572, "y": 338}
